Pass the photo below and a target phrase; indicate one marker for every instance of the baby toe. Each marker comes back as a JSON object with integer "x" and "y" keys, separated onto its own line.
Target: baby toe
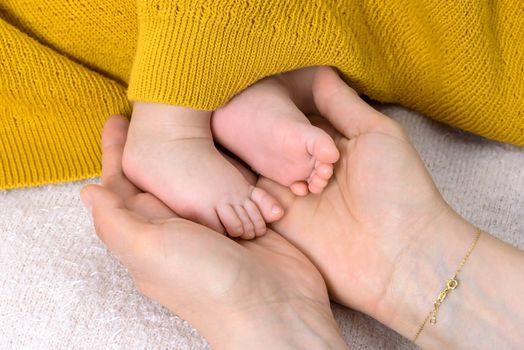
{"x": 210, "y": 219}
{"x": 249, "y": 228}
{"x": 317, "y": 184}
{"x": 256, "y": 217}
{"x": 322, "y": 147}
{"x": 324, "y": 170}
{"x": 299, "y": 188}
{"x": 230, "y": 220}
{"x": 268, "y": 206}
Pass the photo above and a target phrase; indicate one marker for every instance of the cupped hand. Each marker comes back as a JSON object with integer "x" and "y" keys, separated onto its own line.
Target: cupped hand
{"x": 229, "y": 290}
{"x": 266, "y": 126}
{"x": 361, "y": 230}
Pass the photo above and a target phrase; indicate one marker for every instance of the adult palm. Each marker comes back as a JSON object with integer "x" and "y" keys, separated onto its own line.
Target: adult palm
{"x": 205, "y": 277}
{"x": 359, "y": 231}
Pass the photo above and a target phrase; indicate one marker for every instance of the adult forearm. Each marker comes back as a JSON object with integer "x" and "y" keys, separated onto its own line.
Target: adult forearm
{"x": 484, "y": 311}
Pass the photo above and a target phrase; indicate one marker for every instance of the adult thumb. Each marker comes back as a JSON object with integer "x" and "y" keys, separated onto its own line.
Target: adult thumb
{"x": 342, "y": 106}
{"x": 114, "y": 224}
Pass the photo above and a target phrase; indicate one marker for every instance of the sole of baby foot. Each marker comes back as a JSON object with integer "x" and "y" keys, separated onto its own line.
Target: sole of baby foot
{"x": 198, "y": 183}
{"x": 264, "y": 128}
{"x": 208, "y": 190}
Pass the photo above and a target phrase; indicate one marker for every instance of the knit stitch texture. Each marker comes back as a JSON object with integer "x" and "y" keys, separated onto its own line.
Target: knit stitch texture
{"x": 65, "y": 65}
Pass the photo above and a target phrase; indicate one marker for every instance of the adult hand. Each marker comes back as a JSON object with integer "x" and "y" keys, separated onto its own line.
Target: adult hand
{"x": 371, "y": 225}
{"x": 262, "y": 293}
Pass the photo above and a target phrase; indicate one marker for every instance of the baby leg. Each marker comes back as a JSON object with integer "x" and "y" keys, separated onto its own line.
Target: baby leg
{"x": 170, "y": 153}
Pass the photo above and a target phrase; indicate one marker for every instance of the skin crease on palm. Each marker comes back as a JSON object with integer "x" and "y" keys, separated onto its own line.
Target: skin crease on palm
{"x": 385, "y": 240}
{"x": 322, "y": 225}
{"x": 381, "y": 236}
{"x": 236, "y": 279}
{"x": 381, "y": 187}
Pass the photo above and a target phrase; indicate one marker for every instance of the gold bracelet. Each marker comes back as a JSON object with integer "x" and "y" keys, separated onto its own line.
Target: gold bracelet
{"x": 450, "y": 285}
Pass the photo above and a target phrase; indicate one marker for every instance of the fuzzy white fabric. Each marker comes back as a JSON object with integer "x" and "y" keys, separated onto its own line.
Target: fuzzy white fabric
{"x": 61, "y": 289}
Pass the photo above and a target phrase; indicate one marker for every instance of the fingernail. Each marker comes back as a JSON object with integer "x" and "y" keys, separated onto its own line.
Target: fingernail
{"x": 276, "y": 209}
{"x": 85, "y": 196}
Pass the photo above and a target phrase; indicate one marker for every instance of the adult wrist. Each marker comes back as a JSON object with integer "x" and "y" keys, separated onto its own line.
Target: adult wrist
{"x": 486, "y": 301}
{"x": 421, "y": 273}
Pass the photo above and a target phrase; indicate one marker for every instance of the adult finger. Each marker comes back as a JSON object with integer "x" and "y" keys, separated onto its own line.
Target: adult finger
{"x": 114, "y": 137}
{"x": 116, "y": 226}
{"x": 342, "y": 106}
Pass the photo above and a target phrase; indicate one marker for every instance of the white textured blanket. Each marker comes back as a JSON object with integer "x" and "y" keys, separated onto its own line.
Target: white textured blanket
{"x": 61, "y": 289}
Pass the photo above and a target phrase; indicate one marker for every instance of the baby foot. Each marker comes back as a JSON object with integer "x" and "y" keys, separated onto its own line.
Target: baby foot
{"x": 263, "y": 126}
{"x": 170, "y": 153}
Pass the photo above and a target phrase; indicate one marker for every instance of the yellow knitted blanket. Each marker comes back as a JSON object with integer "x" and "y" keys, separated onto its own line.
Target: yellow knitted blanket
{"x": 65, "y": 65}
